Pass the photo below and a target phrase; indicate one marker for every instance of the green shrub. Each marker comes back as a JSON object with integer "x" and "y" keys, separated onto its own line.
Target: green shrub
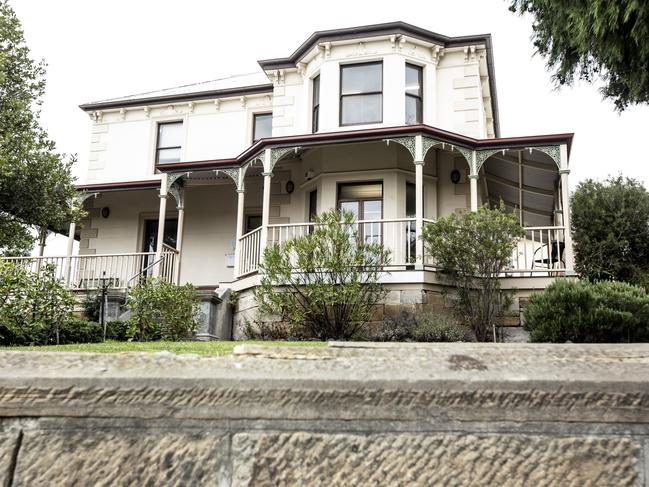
{"x": 261, "y": 330}
{"x": 162, "y": 311}
{"x": 422, "y": 327}
{"x": 473, "y": 249}
{"x": 80, "y": 331}
{"x": 579, "y": 311}
{"x": 117, "y": 330}
{"x": 33, "y": 306}
{"x": 324, "y": 284}
{"x": 92, "y": 306}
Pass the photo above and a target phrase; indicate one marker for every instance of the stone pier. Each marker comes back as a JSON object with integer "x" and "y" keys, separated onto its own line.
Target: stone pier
{"x": 347, "y": 414}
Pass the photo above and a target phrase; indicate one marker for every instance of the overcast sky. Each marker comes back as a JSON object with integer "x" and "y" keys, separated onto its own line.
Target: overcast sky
{"x": 102, "y": 49}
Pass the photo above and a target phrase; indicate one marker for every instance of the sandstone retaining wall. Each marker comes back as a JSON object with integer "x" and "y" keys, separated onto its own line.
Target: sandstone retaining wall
{"x": 357, "y": 414}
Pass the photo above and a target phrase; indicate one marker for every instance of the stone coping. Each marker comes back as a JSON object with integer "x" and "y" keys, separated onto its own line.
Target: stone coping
{"x": 347, "y": 381}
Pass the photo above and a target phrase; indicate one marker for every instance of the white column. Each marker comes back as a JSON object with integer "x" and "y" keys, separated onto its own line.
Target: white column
{"x": 179, "y": 241}
{"x": 419, "y": 202}
{"x": 565, "y": 203}
{"x": 473, "y": 182}
{"x": 161, "y": 224}
{"x": 265, "y": 212}
{"x": 241, "y": 196}
{"x": 68, "y": 255}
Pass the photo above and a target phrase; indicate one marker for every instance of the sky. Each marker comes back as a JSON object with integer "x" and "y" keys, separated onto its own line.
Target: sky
{"x": 104, "y": 49}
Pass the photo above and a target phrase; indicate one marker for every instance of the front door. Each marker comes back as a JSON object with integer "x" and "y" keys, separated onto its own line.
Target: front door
{"x": 365, "y": 202}
{"x": 150, "y": 240}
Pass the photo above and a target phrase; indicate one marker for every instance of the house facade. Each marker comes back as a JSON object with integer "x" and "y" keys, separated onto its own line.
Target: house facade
{"x": 392, "y": 122}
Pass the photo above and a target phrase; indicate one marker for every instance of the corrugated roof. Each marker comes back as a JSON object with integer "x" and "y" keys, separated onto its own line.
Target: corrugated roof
{"x": 231, "y": 82}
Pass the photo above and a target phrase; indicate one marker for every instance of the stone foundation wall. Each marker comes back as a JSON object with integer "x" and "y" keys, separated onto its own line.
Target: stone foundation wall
{"x": 370, "y": 414}
{"x": 408, "y": 298}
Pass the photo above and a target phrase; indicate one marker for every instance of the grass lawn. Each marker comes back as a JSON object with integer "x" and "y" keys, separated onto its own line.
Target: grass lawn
{"x": 200, "y": 348}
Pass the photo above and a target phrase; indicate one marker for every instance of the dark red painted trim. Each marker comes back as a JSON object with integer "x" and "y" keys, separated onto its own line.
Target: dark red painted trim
{"x": 196, "y": 95}
{"x": 371, "y": 134}
{"x": 145, "y": 184}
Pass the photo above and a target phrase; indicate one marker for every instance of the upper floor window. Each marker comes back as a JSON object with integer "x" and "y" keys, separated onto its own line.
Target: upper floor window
{"x": 315, "y": 115}
{"x": 262, "y": 126}
{"x": 361, "y": 93}
{"x": 169, "y": 143}
{"x": 414, "y": 94}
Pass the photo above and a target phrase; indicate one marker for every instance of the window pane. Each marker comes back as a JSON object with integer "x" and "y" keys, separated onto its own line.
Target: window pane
{"x": 254, "y": 221}
{"x": 362, "y": 109}
{"x": 166, "y": 156}
{"x": 413, "y": 80}
{"x": 360, "y": 191}
{"x": 316, "y": 119}
{"x": 170, "y": 134}
{"x": 263, "y": 126}
{"x": 413, "y": 110}
{"x": 361, "y": 78}
{"x": 372, "y": 210}
{"x": 351, "y": 206}
{"x": 316, "y": 90}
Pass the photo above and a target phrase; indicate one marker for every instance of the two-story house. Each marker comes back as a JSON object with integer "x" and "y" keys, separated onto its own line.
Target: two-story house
{"x": 392, "y": 122}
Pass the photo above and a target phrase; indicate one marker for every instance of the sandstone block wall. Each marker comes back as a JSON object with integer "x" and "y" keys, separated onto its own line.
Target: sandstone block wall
{"x": 347, "y": 414}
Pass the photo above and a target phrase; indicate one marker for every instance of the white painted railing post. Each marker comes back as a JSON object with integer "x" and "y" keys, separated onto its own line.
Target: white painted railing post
{"x": 241, "y": 195}
{"x": 265, "y": 214}
{"x": 419, "y": 203}
{"x": 565, "y": 203}
{"x": 473, "y": 182}
{"x": 68, "y": 255}
{"x": 161, "y": 224}
{"x": 179, "y": 241}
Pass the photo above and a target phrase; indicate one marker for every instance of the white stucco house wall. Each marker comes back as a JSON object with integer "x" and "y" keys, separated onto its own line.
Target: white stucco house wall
{"x": 391, "y": 121}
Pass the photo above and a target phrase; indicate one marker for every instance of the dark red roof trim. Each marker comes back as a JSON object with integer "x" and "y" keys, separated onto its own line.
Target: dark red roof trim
{"x": 157, "y": 100}
{"x": 123, "y": 185}
{"x": 371, "y": 134}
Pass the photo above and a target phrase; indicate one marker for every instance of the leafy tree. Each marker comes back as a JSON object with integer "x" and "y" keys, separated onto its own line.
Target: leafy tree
{"x": 579, "y": 311}
{"x": 610, "y": 225}
{"x": 33, "y": 305}
{"x": 36, "y": 186}
{"x": 326, "y": 283}
{"x": 588, "y": 39}
{"x": 472, "y": 249}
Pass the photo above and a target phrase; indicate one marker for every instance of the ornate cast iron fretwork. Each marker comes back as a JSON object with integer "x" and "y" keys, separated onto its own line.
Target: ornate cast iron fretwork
{"x": 552, "y": 151}
{"x": 178, "y": 192}
{"x": 82, "y": 197}
{"x": 482, "y": 156}
{"x": 277, "y": 153}
{"x": 172, "y": 177}
{"x": 468, "y": 155}
{"x": 407, "y": 142}
{"x": 427, "y": 144}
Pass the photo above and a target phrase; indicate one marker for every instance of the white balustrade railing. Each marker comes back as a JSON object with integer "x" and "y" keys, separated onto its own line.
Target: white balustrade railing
{"x": 249, "y": 252}
{"x": 540, "y": 251}
{"x": 87, "y": 272}
{"x": 397, "y": 235}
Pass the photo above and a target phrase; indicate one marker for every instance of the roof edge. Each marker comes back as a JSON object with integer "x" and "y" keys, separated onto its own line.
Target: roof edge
{"x": 158, "y": 100}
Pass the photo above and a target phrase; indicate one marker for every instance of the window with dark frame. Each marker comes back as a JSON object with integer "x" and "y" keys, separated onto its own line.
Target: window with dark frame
{"x": 169, "y": 142}
{"x": 364, "y": 201}
{"x": 315, "y": 115}
{"x": 414, "y": 94}
{"x": 361, "y": 93}
{"x": 262, "y": 126}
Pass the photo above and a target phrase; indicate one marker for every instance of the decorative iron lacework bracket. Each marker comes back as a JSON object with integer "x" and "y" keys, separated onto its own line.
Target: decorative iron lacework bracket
{"x": 277, "y": 153}
{"x": 232, "y": 173}
{"x": 481, "y": 157}
{"x": 468, "y": 155}
{"x": 407, "y": 142}
{"x": 553, "y": 151}
{"x": 427, "y": 144}
{"x": 174, "y": 188}
{"x": 82, "y": 197}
